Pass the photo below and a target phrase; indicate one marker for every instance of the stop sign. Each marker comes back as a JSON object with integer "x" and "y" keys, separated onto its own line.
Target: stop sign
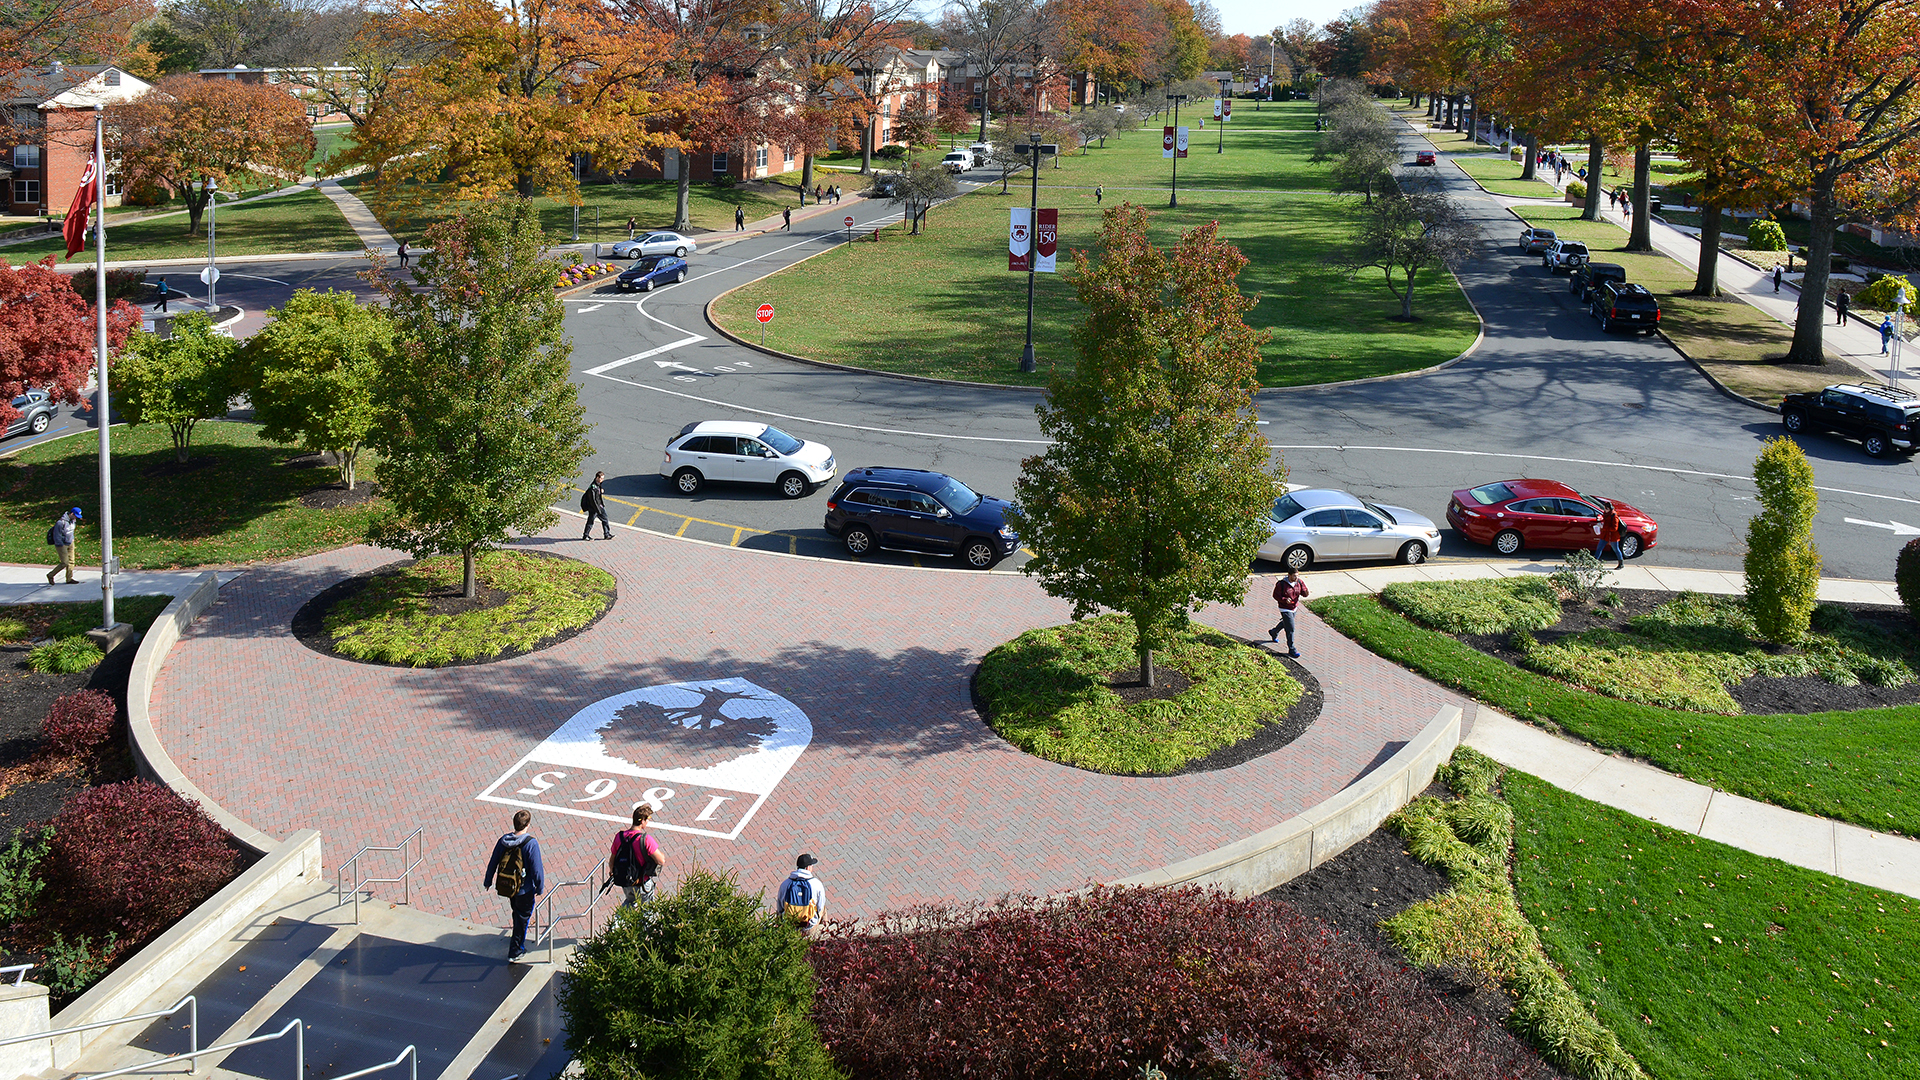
{"x": 765, "y": 314}
{"x": 849, "y": 220}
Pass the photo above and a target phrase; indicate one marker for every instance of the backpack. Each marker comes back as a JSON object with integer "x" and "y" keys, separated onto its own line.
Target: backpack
{"x": 53, "y": 536}
{"x": 796, "y": 902}
{"x": 586, "y": 500}
{"x": 633, "y": 863}
{"x": 512, "y": 872}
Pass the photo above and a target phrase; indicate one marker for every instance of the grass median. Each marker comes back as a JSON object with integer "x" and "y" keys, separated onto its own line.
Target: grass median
{"x": 305, "y": 221}
{"x": 1501, "y": 176}
{"x": 604, "y": 208}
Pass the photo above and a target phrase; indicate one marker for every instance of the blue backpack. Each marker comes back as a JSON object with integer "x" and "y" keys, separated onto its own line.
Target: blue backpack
{"x": 797, "y": 903}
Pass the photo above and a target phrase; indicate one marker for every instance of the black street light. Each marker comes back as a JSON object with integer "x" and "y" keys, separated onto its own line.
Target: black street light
{"x": 1032, "y": 149}
{"x": 1176, "y": 99}
{"x": 1224, "y": 108}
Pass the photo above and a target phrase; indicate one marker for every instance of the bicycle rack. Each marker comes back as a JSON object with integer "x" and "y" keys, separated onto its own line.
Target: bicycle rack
{"x": 189, "y": 1003}
{"x": 299, "y": 1053}
{"x": 546, "y": 902}
{"x": 405, "y": 880}
{"x": 18, "y": 971}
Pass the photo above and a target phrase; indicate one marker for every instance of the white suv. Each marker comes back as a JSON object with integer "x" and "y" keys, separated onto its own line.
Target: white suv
{"x": 1562, "y": 256}
{"x": 745, "y": 452}
{"x": 959, "y": 161}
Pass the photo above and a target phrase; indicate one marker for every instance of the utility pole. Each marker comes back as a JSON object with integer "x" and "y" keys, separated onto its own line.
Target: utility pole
{"x": 576, "y": 196}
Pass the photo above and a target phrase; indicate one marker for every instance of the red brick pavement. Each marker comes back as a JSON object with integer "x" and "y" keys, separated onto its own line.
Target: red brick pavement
{"x": 903, "y": 793}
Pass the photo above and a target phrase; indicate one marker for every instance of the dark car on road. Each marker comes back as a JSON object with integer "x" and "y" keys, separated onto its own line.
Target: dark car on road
{"x": 1881, "y": 417}
{"x": 1583, "y": 279}
{"x": 916, "y": 510}
{"x": 1623, "y": 304}
{"x": 1512, "y": 515}
{"x": 650, "y": 270}
{"x": 35, "y": 409}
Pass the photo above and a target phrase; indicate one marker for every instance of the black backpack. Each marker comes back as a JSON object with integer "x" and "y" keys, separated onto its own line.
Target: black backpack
{"x": 632, "y": 864}
{"x": 53, "y": 536}
{"x": 512, "y": 872}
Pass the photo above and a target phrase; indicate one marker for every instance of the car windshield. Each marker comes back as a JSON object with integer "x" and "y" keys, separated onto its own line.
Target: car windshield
{"x": 1381, "y": 510}
{"x": 1285, "y": 507}
{"x": 1488, "y": 494}
{"x": 957, "y": 496}
{"x": 642, "y": 265}
{"x": 783, "y": 444}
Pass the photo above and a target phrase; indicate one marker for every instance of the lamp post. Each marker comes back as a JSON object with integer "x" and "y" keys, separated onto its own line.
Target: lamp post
{"x": 1032, "y": 151}
{"x": 108, "y": 564}
{"x": 1174, "y": 201}
{"x": 213, "y": 270}
{"x": 1221, "y": 146}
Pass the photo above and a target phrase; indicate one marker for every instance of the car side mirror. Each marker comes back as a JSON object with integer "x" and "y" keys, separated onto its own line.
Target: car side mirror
{"x": 941, "y": 511}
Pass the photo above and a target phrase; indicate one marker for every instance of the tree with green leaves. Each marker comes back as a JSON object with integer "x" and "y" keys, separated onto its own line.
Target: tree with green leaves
{"x": 701, "y": 983}
{"x": 1150, "y": 499}
{"x": 477, "y": 421}
{"x": 1783, "y": 566}
{"x": 177, "y": 381}
{"x": 310, "y": 374}
{"x": 1403, "y": 234}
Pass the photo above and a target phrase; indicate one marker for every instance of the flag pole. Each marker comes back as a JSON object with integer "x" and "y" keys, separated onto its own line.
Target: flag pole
{"x": 100, "y": 406}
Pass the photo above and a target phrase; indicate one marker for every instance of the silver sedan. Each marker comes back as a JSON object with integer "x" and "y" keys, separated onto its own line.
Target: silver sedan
{"x": 659, "y": 243}
{"x": 1316, "y": 525}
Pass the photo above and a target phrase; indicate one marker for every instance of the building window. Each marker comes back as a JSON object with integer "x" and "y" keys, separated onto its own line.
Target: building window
{"x": 719, "y": 164}
{"x": 26, "y": 157}
{"x": 114, "y": 181}
{"x": 26, "y": 192}
{"x": 25, "y": 116}
{"x": 760, "y": 158}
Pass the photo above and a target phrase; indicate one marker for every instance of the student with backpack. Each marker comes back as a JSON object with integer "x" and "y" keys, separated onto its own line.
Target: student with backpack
{"x": 635, "y": 859}
{"x": 514, "y": 872}
{"x": 802, "y": 897}
{"x": 60, "y": 537}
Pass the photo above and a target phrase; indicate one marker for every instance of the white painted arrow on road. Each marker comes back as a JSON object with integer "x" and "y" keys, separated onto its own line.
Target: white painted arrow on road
{"x": 1892, "y": 526}
{"x": 677, "y": 364}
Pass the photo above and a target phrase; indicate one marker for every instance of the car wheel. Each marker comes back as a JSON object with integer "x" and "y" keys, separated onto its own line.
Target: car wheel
{"x": 40, "y": 423}
{"x": 646, "y": 285}
{"x": 1629, "y": 546}
{"x": 681, "y": 276}
{"x": 1508, "y": 542}
{"x": 680, "y": 253}
{"x": 793, "y": 485}
{"x": 1794, "y": 420}
{"x": 1875, "y": 445}
{"x": 1606, "y": 325}
{"x": 980, "y": 553}
{"x": 1298, "y": 557}
{"x": 1413, "y": 553}
{"x": 858, "y": 540}
{"x": 688, "y": 481}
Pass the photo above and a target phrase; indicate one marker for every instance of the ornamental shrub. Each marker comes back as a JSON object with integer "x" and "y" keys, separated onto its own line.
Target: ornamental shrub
{"x": 79, "y": 722}
{"x": 1114, "y": 982}
{"x": 1783, "y": 566}
{"x": 1576, "y": 189}
{"x": 702, "y": 984}
{"x": 65, "y": 656}
{"x": 20, "y": 880}
{"x": 1889, "y": 293}
{"x": 135, "y": 856}
{"x": 1766, "y": 235}
{"x": 1906, "y": 576}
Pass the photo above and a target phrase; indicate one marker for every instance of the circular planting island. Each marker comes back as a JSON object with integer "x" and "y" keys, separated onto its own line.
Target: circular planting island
{"x": 1072, "y": 694}
{"x": 413, "y": 614}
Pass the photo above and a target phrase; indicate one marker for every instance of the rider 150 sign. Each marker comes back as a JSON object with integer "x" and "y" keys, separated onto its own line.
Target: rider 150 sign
{"x": 704, "y": 754}
{"x": 1042, "y": 242}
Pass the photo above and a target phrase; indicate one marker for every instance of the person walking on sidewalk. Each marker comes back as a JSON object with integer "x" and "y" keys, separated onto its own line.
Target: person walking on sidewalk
{"x": 802, "y": 897}
{"x": 1886, "y": 334}
{"x": 1840, "y": 304}
{"x": 1777, "y": 275}
{"x": 61, "y": 537}
{"x": 786, "y": 218}
{"x": 165, "y": 294}
{"x": 1287, "y": 592}
{"x": 401, "y": 251}
{"x": 632, "y": 227}
{"x": 1099, "y": 193}
{"x": 593, "y": 503}
{"x": 1609, "y": 530}
{"x": 635, "y": 859}
{"x": 515, "y": 872}
{"x": 739, "y": 218}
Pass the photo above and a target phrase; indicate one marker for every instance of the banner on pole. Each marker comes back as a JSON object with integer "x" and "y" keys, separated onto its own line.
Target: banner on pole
{"x": 1226, "y": 110}
{"x": 75, "y": 227}
{"x": 1046, "y": 240}
{"x": 1216, "y": 108}
{"x": 1019, "y": 237}
{"x": 1166, "y": 142}
{"x": 1180, "y": 142}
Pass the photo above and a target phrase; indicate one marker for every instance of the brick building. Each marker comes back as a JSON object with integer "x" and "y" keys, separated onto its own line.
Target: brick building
{"x": 51, "y": 132}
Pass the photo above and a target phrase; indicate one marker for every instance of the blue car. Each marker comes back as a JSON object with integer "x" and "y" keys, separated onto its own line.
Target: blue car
{"x": 650, "y": 270}
{"x": 916, "y": 510}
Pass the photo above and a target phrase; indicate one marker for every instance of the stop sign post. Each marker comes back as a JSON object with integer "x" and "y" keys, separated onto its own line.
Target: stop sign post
{"x": 849, "y": 223}
{"x": 765, "y": 315}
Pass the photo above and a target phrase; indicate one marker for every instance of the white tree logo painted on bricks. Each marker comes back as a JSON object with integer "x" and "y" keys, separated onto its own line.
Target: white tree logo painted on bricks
{"x": 705, "y": 754}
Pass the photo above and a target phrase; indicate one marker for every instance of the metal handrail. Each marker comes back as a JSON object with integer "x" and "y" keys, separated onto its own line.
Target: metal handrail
{"x": 409, "y": 1055}
{"x": 18, "y": 971}
{"x": 546, "y": 902}
{"x": 299, "y": 1053}
{"x": 190, "y": 1003}
{"x": 405, "y": 880}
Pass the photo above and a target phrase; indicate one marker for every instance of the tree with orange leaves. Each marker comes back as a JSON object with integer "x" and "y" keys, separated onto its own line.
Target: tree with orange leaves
{"x": 825, "y": 46}
{"x": 1117, "y": 40}
{"x": 189, "y": 133}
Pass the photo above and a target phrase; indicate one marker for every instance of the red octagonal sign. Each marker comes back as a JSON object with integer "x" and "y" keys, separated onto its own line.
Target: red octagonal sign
{"x": 849, "y": 221}
{"x": 765, "y": 314}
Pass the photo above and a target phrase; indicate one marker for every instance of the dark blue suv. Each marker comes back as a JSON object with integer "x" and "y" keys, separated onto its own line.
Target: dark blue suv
{"x": 916, "y": 510}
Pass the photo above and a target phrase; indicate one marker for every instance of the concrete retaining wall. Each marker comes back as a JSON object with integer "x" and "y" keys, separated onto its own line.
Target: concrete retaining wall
{"x": 1277, "y": 855}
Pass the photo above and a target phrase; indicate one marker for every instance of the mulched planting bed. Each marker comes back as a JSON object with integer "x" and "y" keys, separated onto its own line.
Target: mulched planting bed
{"x": 1759, "y": 695}
{"x": 334, "y": 496}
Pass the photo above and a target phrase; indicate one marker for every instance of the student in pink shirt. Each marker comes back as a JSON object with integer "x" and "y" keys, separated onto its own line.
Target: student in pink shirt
{"x": 635, "y": 858}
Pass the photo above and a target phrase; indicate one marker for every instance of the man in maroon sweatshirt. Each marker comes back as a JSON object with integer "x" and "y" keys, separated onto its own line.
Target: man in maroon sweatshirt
{"x": 1287, "y": 592}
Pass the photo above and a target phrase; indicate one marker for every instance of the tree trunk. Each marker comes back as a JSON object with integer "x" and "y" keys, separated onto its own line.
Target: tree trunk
{"x": 349, "y": 456}
{"x": 523, "y": 184}
{"x": 469, "y": 582}
{"x": 1705, "y": 280}
{"x": 1533, "y": 156}
{"x": 1473, "y": 123}
{"x": 806, "y": 175}
{"x": 1406, "y": 298}
{"x": 1640, "y": 229}
{"x": 683, "y": 198}
{"x": 1809, "y": 325}
{"x": 866, "y": 147}
{"x": 196, "y": 198}
{"x": 1146, "y": 667}
{"x": 182, "y": 433}
{"x": 1596, "y": 160}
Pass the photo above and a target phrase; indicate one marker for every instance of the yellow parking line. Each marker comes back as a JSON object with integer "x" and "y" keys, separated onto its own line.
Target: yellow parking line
{"x": 793, "y": 544}
{"x": 636, "y": 515}
{"x": 737, "y": 530}
{"x": 687, "y": 521}
{"x": 682, "y": 530}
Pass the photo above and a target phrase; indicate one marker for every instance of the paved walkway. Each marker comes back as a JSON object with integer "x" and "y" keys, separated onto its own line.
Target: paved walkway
{"x": 26, "y": 584}
{"x": 367, "y": 227}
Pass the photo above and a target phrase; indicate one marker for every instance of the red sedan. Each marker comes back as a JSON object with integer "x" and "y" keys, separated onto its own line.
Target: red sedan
{"x": 1424, "y": 157}
{"x": 1513, "y": 515}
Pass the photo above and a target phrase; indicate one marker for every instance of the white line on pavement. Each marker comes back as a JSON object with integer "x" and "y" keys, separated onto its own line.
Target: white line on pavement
{"x": 625, "y": 360}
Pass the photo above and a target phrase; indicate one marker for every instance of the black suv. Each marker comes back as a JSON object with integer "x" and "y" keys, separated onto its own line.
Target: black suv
{"x": 1620, "y": 303}
{"x": 1881, "y": 417}
{"x": 1583, "y": 279}
{"x": 916, "y": 510}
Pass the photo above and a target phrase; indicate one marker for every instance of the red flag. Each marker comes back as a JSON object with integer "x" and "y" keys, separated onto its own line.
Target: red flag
{"x": 83, "y": 200}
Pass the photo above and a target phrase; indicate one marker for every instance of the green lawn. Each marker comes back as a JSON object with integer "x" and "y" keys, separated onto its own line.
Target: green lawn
{"x": 1502, "y": 177}
{"x": 328, "y": 141}
{"x": 1852, "y": 766}
{"x": 1710, "y": 962}
{"x": 649, "y": 202}
{"x": 944, "y": 304}
{"x": 243, "y": 508}
{"x": 392, "y": 620}
{"x": 306, "y": 221}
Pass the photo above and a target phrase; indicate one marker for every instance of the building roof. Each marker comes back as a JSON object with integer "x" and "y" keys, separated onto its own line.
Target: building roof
{"x": 76, "y": 86}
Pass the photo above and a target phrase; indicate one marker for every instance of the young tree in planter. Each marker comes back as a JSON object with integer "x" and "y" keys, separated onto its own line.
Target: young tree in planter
{"x": 177, "y": 381}
{"x": 1403, "y": 234}
{"x": 478, "y": 424}
{"x": 1150, "y": 499}
{"x": 310, "y": 374}
{"x": 1783, "y": 566}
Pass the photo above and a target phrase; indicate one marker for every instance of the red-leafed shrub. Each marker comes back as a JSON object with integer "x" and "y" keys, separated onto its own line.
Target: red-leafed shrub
{"x": 135, "y": 856}
{"x": 1099, "y": 985}
{"x": 79, "y": 721}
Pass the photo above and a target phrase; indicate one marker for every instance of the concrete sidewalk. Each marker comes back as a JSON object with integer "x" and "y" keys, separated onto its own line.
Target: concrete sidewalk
{"x": 21, "y": 584}
{"x": 365, "y": 226}
{"x": 1635, "y": 576}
